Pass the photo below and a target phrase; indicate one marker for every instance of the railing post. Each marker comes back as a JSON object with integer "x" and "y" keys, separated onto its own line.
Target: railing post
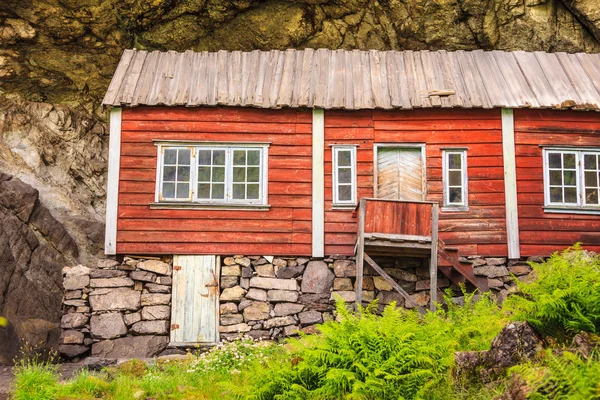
{"x": 433, "y": 261}
{"x": 360, "y": 250}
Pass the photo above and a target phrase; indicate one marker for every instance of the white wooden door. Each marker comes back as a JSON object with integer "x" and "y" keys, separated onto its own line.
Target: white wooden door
{"x": 400, "y": 173}
{"x": 195, "y": 301}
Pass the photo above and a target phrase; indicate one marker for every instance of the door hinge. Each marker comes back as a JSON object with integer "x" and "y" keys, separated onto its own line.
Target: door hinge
{"x": 174, "y": 326}
{"x": 176, "y": 268}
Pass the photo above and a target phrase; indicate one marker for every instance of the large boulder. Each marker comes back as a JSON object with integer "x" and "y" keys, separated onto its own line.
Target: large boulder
{"x": 107, "y": 326}
{"x": 115, "y": 299}
{"x": 130, "y": 347}
{"x": 317, "y": 278}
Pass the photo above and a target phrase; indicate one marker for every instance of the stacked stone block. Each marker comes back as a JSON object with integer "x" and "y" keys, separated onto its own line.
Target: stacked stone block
{"x": 117, "y": 310}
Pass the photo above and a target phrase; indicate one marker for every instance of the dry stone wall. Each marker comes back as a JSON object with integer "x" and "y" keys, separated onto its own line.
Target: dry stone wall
{"x": 116, "y": 310}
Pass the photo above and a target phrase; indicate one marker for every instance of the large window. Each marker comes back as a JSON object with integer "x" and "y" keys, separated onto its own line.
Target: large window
{"x": 229, "y": 174}
{"x": 344, "y": 175}
{"x": 454, "y": 169}
{"x": 572, "y": 178}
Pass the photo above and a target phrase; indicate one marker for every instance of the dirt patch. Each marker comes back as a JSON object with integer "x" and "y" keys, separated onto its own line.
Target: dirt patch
{"x": 66, "y": 371}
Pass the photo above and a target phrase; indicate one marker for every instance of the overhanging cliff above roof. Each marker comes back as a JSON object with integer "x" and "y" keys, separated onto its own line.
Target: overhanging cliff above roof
{"x": 354, "y": 80}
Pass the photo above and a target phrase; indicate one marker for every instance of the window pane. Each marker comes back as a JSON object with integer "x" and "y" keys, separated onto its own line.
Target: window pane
{"x": 454, "y": 161}
{"x": 570, "y": 195}
{"x": 569, "y": 161}
{"x": 168, "y": 191}
{"x": 556, "y": 177}
{"x": 589, "y": 161}
{"x": 218, "y": 174}
{"x": 204, "y": 191}
{"x": 184, "y": 157}
{"x": 239, "y": 157}
{"x": 554, "y": 160}
{"x": 218, "y": 157}
{"x": 344, "y": 158}
{"x": 591, "y": 196}
{"x": 556, "y": 195}
{"x": 183, "y": 174}
{"x": 591, "y": 179}
{"x": 344, "y": 192}
{"x": 218, "y": 191}
{"x": 454, "y": 178}
{"x": 344, "y": 175}
{"x": 239, "y": 174}
{"x": 253, "y": 157}
{"x": 170, "y": 156}
{"x": 253, "y": 191}
{"x": 455, "y": 195}
{"x": 183, "y": 190}
{"x": 239, "y": 191}
{"x": 253, "y": 174}
{"x": 204, "y": 157}
{"x": 169, "y": 173}
{"x": 569, "y": 177}
{"x": 203, "y": 174}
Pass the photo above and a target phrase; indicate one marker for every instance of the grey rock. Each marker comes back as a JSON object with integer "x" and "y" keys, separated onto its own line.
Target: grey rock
{"x": 265, "y": 270}
{"x": 155, "y": 299}
{"x": 310, "y": 317}
{"x": 519, "y": 270}
{"x": 228, "y": 308}
{"x": 156, "y": 266}
{"x": 291, "y": 330}
{"x": 110, "y": 282}
{"x": 243, "y": 261}
{"x": 234, "y": 328}
{"x": 164, "y": 280}
{"x": 302, "y": 260}
{"x": 496, "y": 261}
{"x": 256, "y": 311}
{"x": 245, "y": 283}
{"x": 73, "y": 320}
{"x": 247, "y": 272}
{"x": 73, "y": 294}
{"x": 257, "y": 294}
{"x": 75, "y": 282}
{"x": 259, "y": 334}
{"x": 401, "y": 274}
{"x": 495, "y": 283}
{"x": 229, "y": 281}
{"x": 273, "y": 283}
{"x": 132, "y": 318}
{"x": 278, "y": 322}
{"x": 150, "y": 328}
{"x": 283, "y": 309}
{"x": 317, "y": 278}
{"x": 72, "y": 350}
{"x": 78, "y": 270}
{"x": 75, "y": 303}
{"x": 231, "y": 270}
{"x": 344, "y": 268}
{"x": 151, "y": 313}
{"x": 491, "y": 271}
{"x": 282, "y": 296}
{"x": 105, "y": 263}
{"x": 244, "y": 303}
{"x": 107, "y": 326}
{"x": 114, "y": 299}
{"x": 342, "y": 284}
{"x": 231, "y": 319}
{"x": 388, "y": 297}
{"x": 130, "y": 347}
{"x": 290, "y": 272}
{"x": 106, "y": 273}
{"x": 315, "y": 301}
{"x": 71, "y": 337}
{"x": 347, "y": 296}
{"x": 143, "y": 276}
{"x": 154, "y": 288}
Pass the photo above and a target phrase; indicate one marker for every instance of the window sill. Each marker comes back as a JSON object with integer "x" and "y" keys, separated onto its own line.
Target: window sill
{"x": 208, "y": 206}
{"x": 454, "y": 209}
{"x": 343, "y": 206}
{"x": 571, "y": 210}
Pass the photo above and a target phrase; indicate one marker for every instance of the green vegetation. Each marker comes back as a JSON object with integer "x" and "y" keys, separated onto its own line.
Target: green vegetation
{"x": 397, "y": 355}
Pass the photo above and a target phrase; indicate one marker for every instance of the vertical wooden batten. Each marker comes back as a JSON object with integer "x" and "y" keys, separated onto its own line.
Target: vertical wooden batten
{"x": 112, "y": 183}
{"x": 510, "y": 183}
{"x": 318, "y": 183}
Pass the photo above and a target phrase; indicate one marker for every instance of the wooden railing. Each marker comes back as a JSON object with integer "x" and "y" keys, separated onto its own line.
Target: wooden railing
{"x": 398, "y": 217}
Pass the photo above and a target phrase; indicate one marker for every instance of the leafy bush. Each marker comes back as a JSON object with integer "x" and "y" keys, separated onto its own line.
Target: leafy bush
{"x": 565, "y": 297}
{"x": 399, "y": 354}
{"x": 565, "y": 376}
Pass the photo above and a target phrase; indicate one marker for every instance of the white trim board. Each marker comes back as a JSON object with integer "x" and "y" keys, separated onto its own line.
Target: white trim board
{"x": 112, "y": 182}
{"x": 510, "y": 183}
{"x": 318, "y": 183}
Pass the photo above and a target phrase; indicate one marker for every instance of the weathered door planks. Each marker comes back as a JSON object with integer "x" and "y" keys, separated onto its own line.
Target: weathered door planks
{"x": 194, "y": 311}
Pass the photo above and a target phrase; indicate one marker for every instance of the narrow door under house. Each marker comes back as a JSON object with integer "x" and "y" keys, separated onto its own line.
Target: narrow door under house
{"x": 195, "y": 301}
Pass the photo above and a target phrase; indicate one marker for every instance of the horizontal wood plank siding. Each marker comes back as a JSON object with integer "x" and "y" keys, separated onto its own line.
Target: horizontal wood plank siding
{"x": 285, "y": 229}
{"x": 542, "y": 233}
{"x": 482, "y": 229}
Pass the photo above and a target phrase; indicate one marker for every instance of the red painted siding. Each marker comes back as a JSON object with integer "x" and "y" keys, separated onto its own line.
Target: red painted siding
{"x": 285, "y": 229}
{"x": 542, "y": 233}
{"x": 482, "y": 229}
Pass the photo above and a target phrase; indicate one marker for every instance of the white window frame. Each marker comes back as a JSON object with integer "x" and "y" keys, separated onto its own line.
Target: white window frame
{"x": 464, "y": 205}
{"x": 579, "y": 206}
{"x": 229, "y": 149}
{"x": 335, "y": 149}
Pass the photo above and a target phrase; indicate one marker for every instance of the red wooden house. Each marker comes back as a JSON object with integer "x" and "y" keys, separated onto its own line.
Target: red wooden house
{"x": 493, "y": 153}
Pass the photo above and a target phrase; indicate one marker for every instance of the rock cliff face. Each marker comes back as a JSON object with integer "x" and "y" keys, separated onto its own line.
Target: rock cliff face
{"x": 57, "y": 57}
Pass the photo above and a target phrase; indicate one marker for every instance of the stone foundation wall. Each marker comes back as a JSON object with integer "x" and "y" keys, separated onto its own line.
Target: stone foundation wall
{"x": 116, "y": 310}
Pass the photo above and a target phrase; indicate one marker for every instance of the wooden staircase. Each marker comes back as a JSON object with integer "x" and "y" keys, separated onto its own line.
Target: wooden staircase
{"x": 456, "y": 271}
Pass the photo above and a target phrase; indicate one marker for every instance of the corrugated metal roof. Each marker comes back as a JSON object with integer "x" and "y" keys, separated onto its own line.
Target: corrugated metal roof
{"x": 356, "y": 79}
